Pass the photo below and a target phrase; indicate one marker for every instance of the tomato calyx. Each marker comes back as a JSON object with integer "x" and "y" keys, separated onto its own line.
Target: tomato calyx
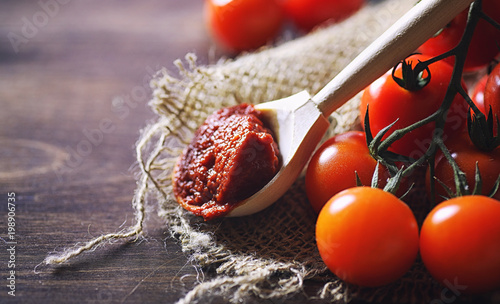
{"x": 412, "y": 78}
{"x": 393, "y": 184}
{"x": 387, "y": 158}
{"x": 462, "y": 188}
{"x": 482, "y": 130}
{"x": 378, "y": 147}
{"x": 460, "y": 183}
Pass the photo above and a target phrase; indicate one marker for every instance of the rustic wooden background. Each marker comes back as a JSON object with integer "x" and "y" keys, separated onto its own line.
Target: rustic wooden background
{"x": 67, "y": 147}
{"x": 73, "y": 98}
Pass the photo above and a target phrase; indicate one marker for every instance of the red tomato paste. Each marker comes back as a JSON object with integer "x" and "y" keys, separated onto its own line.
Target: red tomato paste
{"x": 232, "y": 156}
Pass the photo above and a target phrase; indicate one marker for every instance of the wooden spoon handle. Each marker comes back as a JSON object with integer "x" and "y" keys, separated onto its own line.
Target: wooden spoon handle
{"x": 401, "y": 39}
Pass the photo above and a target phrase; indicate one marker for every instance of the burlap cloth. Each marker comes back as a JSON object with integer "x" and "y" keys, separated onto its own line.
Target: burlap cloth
{"x": 272, "y": 254}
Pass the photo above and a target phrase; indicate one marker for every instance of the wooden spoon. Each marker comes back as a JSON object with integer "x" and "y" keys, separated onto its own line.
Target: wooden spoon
{"x": 300, "y": 121}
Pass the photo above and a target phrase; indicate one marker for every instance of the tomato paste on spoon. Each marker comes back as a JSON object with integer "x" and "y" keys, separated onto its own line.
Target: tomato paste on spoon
{"x": 232, "y": 156}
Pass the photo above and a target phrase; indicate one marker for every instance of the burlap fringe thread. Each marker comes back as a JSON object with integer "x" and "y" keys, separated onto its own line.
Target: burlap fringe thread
{"x": 271, "y": 254}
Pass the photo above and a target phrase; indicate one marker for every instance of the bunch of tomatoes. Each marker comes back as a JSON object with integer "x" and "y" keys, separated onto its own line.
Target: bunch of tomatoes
{"x": 242, "y": 25}
{"x": 369, "y": 236}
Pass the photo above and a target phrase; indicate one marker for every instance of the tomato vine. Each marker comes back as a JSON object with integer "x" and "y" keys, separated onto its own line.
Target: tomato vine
{"x": 481, "y": 128}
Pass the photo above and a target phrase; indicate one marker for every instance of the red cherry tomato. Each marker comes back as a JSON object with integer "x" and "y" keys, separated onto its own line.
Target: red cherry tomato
{"x": 460, "y": 243}
{"x": 389, "y": 102}
{"x": 466, "y": 154}
{"x": 307, "y": 14}
{"x": 483, "y": 47}
{"x": 241, "y": 25}
{"x": 367, "y": 236}
{"x": 492, "y": 92}
{"x": 332, "y": 167}
{"x": 477, "y": 95}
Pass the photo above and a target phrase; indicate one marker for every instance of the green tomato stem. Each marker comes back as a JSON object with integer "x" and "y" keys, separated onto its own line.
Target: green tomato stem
{"x": 379, "y": 148}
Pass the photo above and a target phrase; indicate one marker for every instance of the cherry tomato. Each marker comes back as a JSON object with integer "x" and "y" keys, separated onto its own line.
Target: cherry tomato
{"x": 460, "y": 243}
{"x": 307, "y": 14}
{"x": 466, "y": 154}
{"x": 483, "y": 47}
{"x": 332, "y": 167}
{"x": 389, "y": 102}
{"x": 477, "y": 95}
{"x": 492, "y": 92}
{"x": 240, "y": 25}
{"x": 367, "y": 236}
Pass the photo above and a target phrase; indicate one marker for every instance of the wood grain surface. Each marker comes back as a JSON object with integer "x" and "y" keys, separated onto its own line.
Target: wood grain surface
{"x": 73, "y": 99}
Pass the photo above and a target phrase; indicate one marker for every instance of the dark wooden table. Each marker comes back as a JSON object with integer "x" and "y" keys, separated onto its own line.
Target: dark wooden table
{"x": 66, "y": 152}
